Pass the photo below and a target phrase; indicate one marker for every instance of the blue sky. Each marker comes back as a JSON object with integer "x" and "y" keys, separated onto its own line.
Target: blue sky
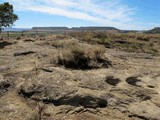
{"x": 122, "y": 14}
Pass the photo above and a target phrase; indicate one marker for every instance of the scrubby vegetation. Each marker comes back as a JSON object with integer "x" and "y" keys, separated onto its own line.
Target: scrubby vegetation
{"x": 73, "y": 54}
{"x": 131, "y": 42}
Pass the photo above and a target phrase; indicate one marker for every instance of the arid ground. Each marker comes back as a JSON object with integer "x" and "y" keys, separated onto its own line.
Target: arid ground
{"x": 80, "y": 76}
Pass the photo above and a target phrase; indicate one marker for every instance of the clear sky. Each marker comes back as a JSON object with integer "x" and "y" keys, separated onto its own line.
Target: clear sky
{"x": 122, "y": 14}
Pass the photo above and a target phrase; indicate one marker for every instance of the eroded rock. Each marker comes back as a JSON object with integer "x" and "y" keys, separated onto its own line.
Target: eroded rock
{"x": 145, "y": 110}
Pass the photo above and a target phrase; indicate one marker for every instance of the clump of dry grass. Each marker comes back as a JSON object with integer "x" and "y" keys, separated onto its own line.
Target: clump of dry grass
{"x": 80, "y": 56}
{"x": 64, "y": 43}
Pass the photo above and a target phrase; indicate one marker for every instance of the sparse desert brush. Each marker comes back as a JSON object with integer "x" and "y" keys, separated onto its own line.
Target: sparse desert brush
{"x": 130, "y": 45}
{"x": 143, "y": 38}
{"x": 81, "y": 34}
{"x": 83, "y": 57}
{"x": 105, "y": 41}
{"x": 87, "y": 36}
{"x": 132, "y": 42}
{"x": 71, "y": 53}
{"x": 18, "y": 38}
{"x": 60, "y": 36}
{"x": 97, "y": 52}
{"x": 64, "y": 43}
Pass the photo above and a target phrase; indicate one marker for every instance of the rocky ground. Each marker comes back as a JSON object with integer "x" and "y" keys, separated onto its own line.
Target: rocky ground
{"x": 33, "y": 88}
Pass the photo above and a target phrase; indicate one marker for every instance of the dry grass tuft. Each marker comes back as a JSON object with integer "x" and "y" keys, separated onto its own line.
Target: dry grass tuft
{"x": 80, "y": 56}
{"x": 64, "y": 43}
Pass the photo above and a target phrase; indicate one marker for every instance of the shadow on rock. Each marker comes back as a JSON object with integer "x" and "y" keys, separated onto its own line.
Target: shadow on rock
{"x": 133, "y": 81}
{"x": 77, "y": 100}
{"x": 4, "y": 43}
{"x": 112, "y": 81}
{"x": 23, "y": 53}
{"x": 63, "y": 97}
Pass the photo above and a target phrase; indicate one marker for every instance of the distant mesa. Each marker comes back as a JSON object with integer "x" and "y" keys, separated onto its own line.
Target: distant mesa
{"x": 74, "y": 28}
{"x": 94, "y": 28}
{"x": 155, "y": 30}
{"x": 50, "y": 28}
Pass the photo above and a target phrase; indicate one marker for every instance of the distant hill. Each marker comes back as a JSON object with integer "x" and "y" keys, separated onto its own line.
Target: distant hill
{"x": 153, "y": 31}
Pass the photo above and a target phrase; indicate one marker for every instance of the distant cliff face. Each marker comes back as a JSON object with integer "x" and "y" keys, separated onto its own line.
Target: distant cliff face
{"x": 154, "y": 31}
